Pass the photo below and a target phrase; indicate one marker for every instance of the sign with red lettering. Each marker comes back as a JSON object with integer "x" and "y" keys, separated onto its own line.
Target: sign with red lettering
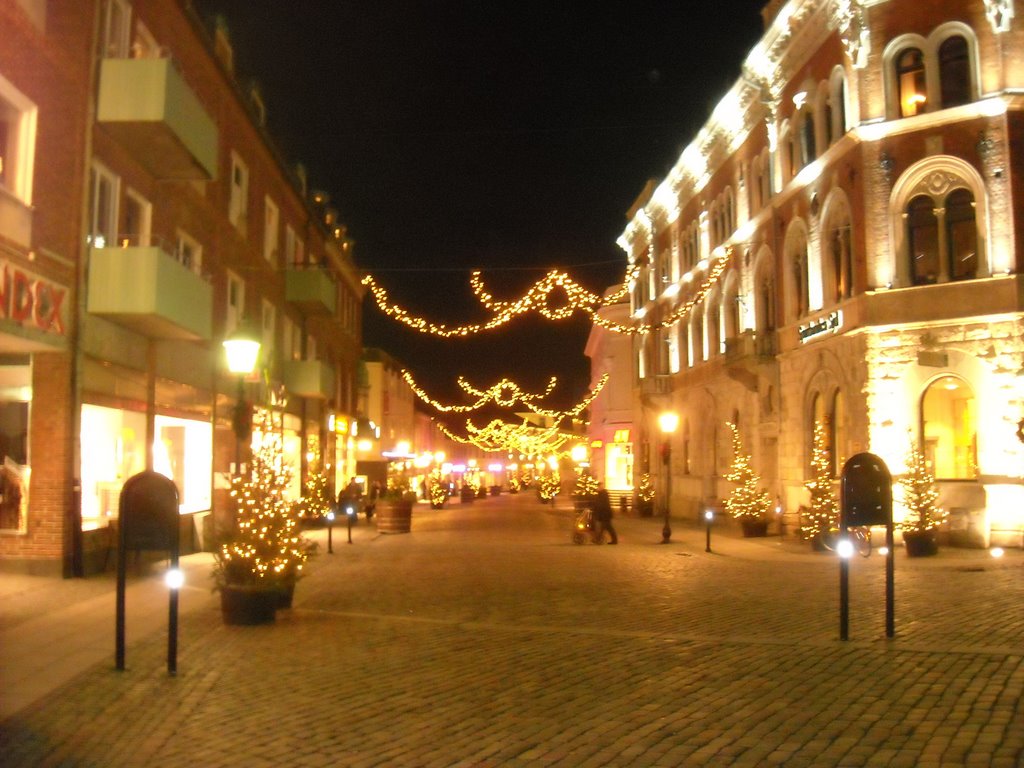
{"x": 30, "y": 300}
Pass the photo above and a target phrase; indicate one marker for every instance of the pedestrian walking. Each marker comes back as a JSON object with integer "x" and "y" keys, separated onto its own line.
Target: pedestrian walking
{"x": 603, "y": 517}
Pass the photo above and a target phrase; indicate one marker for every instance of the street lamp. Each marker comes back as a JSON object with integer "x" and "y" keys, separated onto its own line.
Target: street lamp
{"x": 241, "y": 349}
{"x": 667, "y": 422}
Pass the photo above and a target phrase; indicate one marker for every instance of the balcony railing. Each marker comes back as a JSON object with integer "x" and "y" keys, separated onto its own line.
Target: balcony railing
{"x": 312, "y": 288}
{"x": 309, "y": 378}
{"x": 148, "y": 290}
{"x": 150, "y": 110}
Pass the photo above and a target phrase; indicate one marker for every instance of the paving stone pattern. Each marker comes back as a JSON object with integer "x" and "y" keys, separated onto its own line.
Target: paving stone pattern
{"x": 485, "y": 638}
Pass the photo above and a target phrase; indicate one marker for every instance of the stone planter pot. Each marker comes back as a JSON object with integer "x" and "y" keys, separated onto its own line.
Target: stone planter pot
{"x": 754, "y": 528}
{"x": 920, "y": 543}
{"x": 394, "y": 516}
{"x": 248, "y": 605}
{"x": 466, "y": 495}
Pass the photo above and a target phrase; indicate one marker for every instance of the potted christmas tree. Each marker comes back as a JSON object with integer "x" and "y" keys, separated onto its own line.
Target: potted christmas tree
{"x": 923, "y": 516}
{"x": 257, "y": 566}
{"x": 747, "y": 503}
{"x": 645, "y": 496}
{"x": 823, "y": 516}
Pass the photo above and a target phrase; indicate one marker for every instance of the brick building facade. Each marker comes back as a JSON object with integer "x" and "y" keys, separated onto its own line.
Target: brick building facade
{"x": 148, "y": 215}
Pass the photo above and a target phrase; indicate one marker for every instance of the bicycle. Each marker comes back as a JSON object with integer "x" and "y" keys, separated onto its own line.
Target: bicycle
{"x": 859, "y": 538}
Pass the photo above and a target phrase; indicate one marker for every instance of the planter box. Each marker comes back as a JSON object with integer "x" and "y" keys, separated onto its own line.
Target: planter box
{"x": 247, "y": 606}
{"x": 394, "y": 516}
{"x": 922, "y": 544}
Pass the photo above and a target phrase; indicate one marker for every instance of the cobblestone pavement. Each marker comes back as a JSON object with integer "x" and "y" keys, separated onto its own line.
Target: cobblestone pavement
{"x": 485, "y": 638}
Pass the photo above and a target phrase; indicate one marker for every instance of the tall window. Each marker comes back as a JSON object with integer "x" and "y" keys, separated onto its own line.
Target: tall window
{"x": 949, "y": 428}
{"x": 937, "y": 253}
{"x": 797, "y": 258}
{"x": 137, "y": 215}
{"x": 954, "y": 72}
{"x": 235, "y": 303}
{"x": 103, "y": 194}
{"x": 961, "y": 235}
{"x": 271, "y": 230}
{"x": 189, "y": 252}
{"x": 923, "y": 238}
{"x": 117, "y": 29}
{"x": 238, "y": 202}
{"x": 838, "y": 246}
{"x": 911, "y": 84}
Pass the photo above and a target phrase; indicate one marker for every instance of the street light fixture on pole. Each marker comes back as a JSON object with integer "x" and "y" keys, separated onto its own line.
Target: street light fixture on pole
{"x": 667, "y": 422}
{"x": 242, "y": 350}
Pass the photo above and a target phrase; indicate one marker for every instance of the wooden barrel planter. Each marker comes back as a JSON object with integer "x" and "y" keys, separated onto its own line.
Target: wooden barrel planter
{"x": 394, "y": 516}
{"x": 246, "y": 605}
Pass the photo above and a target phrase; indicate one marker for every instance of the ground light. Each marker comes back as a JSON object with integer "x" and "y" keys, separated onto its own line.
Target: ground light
{"x": 174, "y": 578}
{"x": 667, "y": 423}
{"x": 996, "y": 552}
{"x": 709, "y": 517}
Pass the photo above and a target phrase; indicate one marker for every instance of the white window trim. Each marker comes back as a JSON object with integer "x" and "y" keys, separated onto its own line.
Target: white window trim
{"x": 271, "y": 230}
{"x": 238, "y": 196}
{"x": 24, "y": 140}
{"x": 106, "y": 229}
{"x": 234, "y": 314}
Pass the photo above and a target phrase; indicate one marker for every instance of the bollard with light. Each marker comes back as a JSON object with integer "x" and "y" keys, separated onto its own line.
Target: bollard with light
{"x": 350, "y": 514}
{"x": 709, "y": 518}
{"x": 330, "y": 532}
{"x": 667, "y": 422}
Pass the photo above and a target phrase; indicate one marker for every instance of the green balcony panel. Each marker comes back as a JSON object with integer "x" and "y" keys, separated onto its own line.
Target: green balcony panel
{"x": 148, "y": 291}
{"x": 150, "y": 110}
{"x": 309, "y": 378}
{"x": 313, "y": 289}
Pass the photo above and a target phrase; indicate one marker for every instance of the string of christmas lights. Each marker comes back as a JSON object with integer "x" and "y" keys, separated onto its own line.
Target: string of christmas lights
{"x": 525, "y": 439}
{"x": 507, "y": 393}
{"x": 577, "y": 299}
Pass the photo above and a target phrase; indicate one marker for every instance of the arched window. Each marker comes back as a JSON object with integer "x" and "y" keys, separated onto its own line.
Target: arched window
{"x": 697, "y": 336}
{"x": 961, "y": 235}
{"x": 949, "y": 428}
{"x": 796, "y": 258}
{"x": 765, "y": 299}
{"x": 911, "y": 83}
{"x": 837, "y": 439}
{"x": 837, "y": 245}
{"x": 766, "y": 177}
{"x": 954, "y": 72}
{"x": 730, "y": 311}
{"x": 923, "y": 239}
{"x": 808, "y": 143}
{"x": 837, "y": 104}
{"x": 713, "y": 326}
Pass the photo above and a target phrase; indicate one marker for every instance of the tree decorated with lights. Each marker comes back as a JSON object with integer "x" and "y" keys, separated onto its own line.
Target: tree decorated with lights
{"x": 823, "y": 515}
{"x": 920, "y": 496}
{"x": 586, "y": 484}
{"x": 747, "y": 501}
{"x": 267, "y": 548}
{"x": 550, "y": 484}
{"x": 438, "y": 489}
{"x": 318, "y": 498}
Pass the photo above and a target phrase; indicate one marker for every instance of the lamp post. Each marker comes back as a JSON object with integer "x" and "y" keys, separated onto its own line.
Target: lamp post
{"x": 241, "y": 350}
{"x": 667, "y": 422}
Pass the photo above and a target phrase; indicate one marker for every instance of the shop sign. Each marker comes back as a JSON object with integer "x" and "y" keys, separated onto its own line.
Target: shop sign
{"x": 621, "y": 436}
{"x": 830, "y": 323}
{"x": 31, "y": 301}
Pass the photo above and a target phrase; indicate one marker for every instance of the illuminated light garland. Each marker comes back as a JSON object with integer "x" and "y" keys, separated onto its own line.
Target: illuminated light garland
{"x": 507, "y": 393}
{"x": 495, "y": 393}
{"x": 578, "y": 299}
{"x": 500, "y": 436}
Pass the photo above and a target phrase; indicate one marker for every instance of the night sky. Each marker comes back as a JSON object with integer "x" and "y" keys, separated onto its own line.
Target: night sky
{"x": 507, "y": 136}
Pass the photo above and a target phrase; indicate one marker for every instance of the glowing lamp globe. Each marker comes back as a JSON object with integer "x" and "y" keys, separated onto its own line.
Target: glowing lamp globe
{"x": 242, "y": 351}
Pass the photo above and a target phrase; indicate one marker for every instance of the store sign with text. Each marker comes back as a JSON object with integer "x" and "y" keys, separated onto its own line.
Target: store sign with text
{"x": 31, "y": 301}
{"x": 830, "y": 323}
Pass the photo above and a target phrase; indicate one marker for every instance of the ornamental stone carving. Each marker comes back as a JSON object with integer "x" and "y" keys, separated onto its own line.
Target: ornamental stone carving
{"x": 999, "y": 14}
{"x": 848, "y": 17}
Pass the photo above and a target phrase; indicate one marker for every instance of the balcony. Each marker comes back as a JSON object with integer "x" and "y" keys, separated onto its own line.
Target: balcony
{"x": 147, "y": 107}
{"x": 309, "y": 378}
{"x": 148, "y": 290}
{"x": 311, "y": 288}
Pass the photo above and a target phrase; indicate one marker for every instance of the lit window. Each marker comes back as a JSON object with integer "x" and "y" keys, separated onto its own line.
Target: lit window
{"x": 911, "y": 82}
{"x": 949, "y": 427}
{"x": 238, "y": 202}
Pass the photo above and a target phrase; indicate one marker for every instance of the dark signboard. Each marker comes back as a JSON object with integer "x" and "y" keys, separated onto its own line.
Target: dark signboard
{"x": 148, "y": 512}
{"x": 866, "y": 492}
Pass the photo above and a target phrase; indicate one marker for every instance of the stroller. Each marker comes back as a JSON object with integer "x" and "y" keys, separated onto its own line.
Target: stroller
{"x": 583, "y": 527}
